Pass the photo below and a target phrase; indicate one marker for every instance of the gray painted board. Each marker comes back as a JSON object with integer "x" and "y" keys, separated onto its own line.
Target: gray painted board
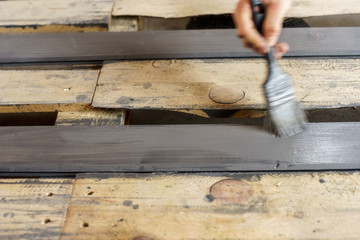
{"x": 15, "y": 48}
{"x": 323, "y": 146}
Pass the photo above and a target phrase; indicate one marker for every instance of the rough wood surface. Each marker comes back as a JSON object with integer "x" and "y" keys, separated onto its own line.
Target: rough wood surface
{"x": 215, "y": 206}
{"x": 54, "y": 16}
{"x": 123, "y": 24}
{"x": 186, "y": 8}
{"x": 33, "y": 208}
{"x": 176, "y": 148}
{"x": 93, "y": 117}
{"x": 70, "y": 47}
{"x": 46, "y": 90}
{"x": 185, "y": 84}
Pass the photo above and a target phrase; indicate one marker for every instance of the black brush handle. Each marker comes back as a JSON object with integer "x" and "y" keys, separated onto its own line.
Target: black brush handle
{"x": 258, "y": 11}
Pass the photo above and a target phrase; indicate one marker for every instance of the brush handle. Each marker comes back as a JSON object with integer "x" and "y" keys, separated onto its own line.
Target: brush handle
{"x": 258, "y": 11}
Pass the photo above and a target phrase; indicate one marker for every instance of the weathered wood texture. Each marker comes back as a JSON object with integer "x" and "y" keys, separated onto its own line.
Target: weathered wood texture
{"x": 93, "y": 117}
{"x": 33, "y": 208}
{"x": 185, "y": 84}
{"x": 46, "y": 90}
{"x": 168, "y": 45}
{"x": 215, "y": 206}
{"x": 176, "y": 148}
{"x": 186, "y": 8}
{"x": 54, "y": 16}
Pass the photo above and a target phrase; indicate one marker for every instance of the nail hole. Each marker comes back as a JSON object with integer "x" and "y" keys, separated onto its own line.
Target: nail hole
{"x": 45, "y": 221}
{"x": 277, "y": 165}
{"x": 49, "y": 194}
{"x": 85, "y": 224}
{"x": 90, "y": 193}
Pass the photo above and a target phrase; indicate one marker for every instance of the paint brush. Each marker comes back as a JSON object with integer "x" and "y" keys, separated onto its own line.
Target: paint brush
{"x": 284, "y": 118}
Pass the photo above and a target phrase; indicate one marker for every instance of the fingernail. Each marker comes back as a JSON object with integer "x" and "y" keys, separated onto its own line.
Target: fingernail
{"x": 271, "y": 41}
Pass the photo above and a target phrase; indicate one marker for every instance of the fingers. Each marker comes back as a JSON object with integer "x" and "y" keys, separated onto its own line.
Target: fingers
{"x": 251, "y": 38}
{"x": 275, "y": 12}
{"x": 281, "y": 49}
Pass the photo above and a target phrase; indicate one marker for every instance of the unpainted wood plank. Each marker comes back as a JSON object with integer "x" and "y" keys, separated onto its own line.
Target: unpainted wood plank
{"x": 93, "y": 117}
{"x": 123, "y": 24}
{"x": 215, "y": 206}
{"x": 54, "y": 16}
{"x": 186, "y": 8}
{"x": 33, "y": 208}
{"x": 46, "y": 90}
{"x": 185, "y": 84}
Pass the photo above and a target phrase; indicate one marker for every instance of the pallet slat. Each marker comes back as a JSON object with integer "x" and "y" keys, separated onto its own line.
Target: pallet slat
{"x": 185, "y": 84}
{"x": 46, "y": 90}
{"x": 176, "y": 148}
{"x": 54, "y": 16}
{"x": 68, "y": 47}
{"x": 214, "y": 206}
{"x": 33, "y": 208}
{"x": 187, "y": 8}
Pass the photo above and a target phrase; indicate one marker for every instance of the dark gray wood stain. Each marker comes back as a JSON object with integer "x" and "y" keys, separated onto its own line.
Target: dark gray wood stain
{"x": 16, "y": 48}
{"x": 177, "y": 148}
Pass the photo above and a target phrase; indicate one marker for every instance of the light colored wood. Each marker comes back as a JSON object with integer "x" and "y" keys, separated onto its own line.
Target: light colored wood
{"x": 215, "y": 206}
{"x": 46, "y": 90}
{"x": 95, "y": 117}
{"x": 33, "y": 208}
{"x": 185, "y": 84}
{"x": 186, "y": 8}
{"x": 54, "y": 16}
{"x": 123, "y": 24}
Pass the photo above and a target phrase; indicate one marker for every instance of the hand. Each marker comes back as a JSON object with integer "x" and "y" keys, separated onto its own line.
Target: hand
{"x": 275, "y": 11}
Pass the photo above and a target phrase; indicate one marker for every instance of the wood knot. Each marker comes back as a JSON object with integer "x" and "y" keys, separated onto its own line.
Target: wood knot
{"x": 226, "y": 94}
{"x": 231, "y": 192}
{"x": 161, "y": 63}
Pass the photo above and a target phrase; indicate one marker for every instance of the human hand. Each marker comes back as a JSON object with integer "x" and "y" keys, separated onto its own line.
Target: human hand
{"x": 275, "y": 11}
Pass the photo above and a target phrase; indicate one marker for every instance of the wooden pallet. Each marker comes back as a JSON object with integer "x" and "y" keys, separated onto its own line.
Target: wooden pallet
{"x": 164, "y": 206}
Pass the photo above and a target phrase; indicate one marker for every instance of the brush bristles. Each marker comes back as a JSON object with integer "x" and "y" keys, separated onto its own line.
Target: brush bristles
{"x": 286, "y": 120}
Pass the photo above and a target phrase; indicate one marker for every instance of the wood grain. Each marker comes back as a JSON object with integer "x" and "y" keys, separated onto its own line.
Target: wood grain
{"x": 93, "y": 117}
{"x": 46, "y": 90}
{"x": 189, "y": 8}
{"x": 168, "y": 45}
{"x": 185, "y": 84}
{"x": 54, "y": 16}
{"x": 33, "y": 208}
{"x": 176, "y": 148}
{"x": 215, "y": 206}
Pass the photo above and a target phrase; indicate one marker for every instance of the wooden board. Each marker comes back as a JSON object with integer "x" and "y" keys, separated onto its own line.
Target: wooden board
{"x": 93, "y": 117}
{"x": 185, "y": 84}
{"x": 46, "y": 90}
{"x": 176, "y": 148}
{"x": 54, "y": 16}
{"x": 33, "y": 208}
{"x": 186, "y": 8}
{"x": 215, "y": 206}
{"x": 308, "y": 42}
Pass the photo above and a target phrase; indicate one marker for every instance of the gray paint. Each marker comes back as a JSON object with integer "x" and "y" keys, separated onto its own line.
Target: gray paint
{"x": 48, "y": 47}
{"x": 323, "y": 146}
